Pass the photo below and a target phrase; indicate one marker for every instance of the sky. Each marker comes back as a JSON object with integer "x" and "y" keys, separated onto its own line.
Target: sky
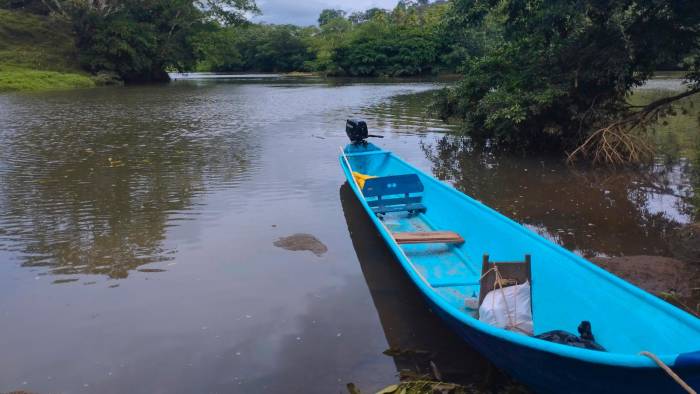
{"x": 305, "y": 12}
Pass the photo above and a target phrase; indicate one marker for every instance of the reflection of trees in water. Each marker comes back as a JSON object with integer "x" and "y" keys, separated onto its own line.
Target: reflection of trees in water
{"x": 404, "y": 113}
{"x": 415, "y": 335}
{"x": 100, "y": 201}
{"x": 592, "y": 211}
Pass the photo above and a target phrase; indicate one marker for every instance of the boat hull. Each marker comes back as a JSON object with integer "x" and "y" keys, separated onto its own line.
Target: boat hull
{"x": 541, "y": 369}
{"x": 545, "y": 372}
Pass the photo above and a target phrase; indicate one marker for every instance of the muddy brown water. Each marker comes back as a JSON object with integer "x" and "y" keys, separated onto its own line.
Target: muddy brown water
{"x": 137, "y": 231}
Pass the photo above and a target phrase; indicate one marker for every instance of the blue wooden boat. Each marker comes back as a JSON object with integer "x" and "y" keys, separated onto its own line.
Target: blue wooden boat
{"x": 445, "y": 264}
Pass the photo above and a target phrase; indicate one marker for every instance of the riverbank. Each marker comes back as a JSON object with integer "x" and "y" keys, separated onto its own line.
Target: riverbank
{"x": 38, "y": 53}
{"x": 18, "y": 78}
{"x": 670, "y": 279}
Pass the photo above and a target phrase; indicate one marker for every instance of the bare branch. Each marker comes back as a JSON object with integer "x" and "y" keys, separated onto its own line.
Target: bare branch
{"x": 620, "y": 142}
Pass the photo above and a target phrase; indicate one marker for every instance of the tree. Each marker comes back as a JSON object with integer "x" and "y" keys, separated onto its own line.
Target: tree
{"x": 559, "y": 72}
{"x": 216, "y": 49}
{"x": 328, "y": 15}
{"x": 323, "y": 42}
{"x": 387, "y": 52}
{"x": 359, "y": 17}
{"x": 259, "y": 47}
{"x": 276, "y": 48}
{"x": 140, "y": 39}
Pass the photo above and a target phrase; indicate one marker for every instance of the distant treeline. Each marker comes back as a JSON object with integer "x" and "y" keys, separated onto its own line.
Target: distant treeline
{"x": 411, "y": 39}
{"x": 139, "y": 40}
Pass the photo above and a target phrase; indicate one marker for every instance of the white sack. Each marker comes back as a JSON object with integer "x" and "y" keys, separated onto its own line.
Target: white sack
{"x": 508, "y": 308}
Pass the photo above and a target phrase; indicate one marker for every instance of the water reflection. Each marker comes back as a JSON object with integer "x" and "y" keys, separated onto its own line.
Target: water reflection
{"x": 94, "y": 190}
{"x": 200, "y": 178}
{"x": 393, "y": 115}
{"x": 677, "y": 137}
{"x": 415, "y": 335}
{"x": 593, "y": 212}
{"x": 92, "y": 181}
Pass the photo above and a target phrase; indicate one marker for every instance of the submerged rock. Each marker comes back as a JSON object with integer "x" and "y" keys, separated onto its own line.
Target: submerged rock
{"x": 685, "y": 243}
{"x": 301, "y": 241}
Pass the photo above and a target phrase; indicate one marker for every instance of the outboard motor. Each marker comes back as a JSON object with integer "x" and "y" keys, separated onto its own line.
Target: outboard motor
{"x": 356, "y": 130}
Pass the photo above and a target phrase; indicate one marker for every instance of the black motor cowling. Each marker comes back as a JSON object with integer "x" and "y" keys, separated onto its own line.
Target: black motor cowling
{"x": 356, "y": 130}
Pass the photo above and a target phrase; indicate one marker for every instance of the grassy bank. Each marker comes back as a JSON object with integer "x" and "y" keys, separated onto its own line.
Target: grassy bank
{"x": 38, "y": 53}
{"x": 17, "y": 78}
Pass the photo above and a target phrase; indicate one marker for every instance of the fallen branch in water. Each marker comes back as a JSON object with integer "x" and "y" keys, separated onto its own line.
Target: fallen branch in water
{"x": 622, "y": 142}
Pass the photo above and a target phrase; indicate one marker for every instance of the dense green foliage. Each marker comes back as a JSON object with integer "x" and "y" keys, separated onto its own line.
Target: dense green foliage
{"x": 403, "y": 42}
{"x": 555, "y": 71}
{"x": 37, "y": 52}
{"x": 267, "y": 48}
{"x": 411, "y": 39}
{"x": 401, "y": 52}
{"x": 138, "y": 40}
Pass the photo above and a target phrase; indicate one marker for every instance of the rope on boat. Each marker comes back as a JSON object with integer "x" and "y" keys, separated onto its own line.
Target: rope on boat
{"x": 669, "y": 372}
{"x": 499, "y": 284}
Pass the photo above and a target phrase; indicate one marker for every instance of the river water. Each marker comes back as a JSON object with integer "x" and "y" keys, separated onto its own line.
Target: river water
{"x": 138, "y": 229}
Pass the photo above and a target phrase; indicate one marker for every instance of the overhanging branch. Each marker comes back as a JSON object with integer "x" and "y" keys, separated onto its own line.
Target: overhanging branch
{"x": 618, "y": 143}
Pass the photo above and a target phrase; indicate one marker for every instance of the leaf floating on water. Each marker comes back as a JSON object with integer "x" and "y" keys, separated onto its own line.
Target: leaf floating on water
{"x": 115, "y": 163}
{"x": 151, "y": 270}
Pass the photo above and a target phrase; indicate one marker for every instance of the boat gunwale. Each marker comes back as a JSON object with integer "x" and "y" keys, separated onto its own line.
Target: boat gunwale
{"x": 607, "y": 358}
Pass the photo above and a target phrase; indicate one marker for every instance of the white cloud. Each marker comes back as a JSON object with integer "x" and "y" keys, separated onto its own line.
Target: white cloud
{"x": 305, "y": 12}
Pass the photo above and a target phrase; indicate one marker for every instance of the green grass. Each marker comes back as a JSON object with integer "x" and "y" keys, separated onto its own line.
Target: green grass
{"x": 38, "y": 53}
{"x": 28, "y": 79}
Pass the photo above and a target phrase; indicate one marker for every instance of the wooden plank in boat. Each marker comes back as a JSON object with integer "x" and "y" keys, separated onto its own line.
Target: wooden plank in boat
{"x": 422, "y": 237}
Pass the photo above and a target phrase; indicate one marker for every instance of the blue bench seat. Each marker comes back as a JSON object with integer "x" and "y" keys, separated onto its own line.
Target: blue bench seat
{"x": 395, "y": 193}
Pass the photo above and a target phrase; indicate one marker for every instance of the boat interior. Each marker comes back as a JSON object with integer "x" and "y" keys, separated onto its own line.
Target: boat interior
{"x": 445, "y": 235}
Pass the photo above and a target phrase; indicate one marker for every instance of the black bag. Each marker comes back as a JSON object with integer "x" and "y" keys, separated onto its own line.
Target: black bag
{"x": 586, "y": 339}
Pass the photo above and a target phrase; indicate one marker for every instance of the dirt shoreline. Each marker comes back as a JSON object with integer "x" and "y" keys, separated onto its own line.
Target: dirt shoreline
{"x": 670, "y": 279}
